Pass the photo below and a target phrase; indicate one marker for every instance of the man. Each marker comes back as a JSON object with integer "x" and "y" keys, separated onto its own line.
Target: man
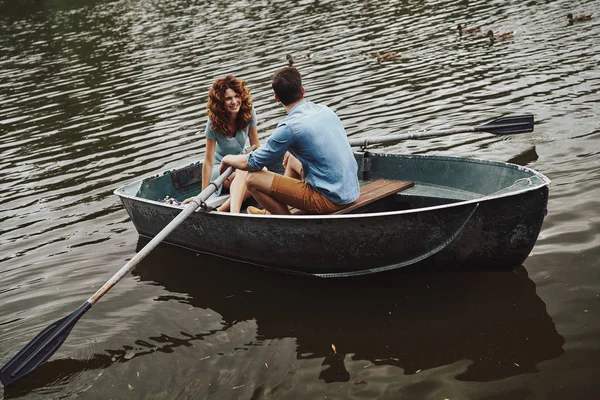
{"x": 320, "y": 169}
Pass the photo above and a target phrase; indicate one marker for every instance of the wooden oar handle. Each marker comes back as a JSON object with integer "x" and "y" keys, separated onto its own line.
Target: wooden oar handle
{"x": 207, "y": 192}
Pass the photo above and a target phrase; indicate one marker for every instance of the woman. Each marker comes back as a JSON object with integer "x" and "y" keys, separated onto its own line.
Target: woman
{"x": 231, "y": 122}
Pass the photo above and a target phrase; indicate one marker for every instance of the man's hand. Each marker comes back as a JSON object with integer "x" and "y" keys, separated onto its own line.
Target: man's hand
{"x": 225, "y": 163}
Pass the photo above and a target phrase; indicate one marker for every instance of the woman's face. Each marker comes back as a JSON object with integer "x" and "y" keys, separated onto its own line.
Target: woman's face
{"x": 233, "y": 101}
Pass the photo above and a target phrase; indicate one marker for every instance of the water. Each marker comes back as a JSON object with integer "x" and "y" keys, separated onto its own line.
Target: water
{"x": 94, "y": 94}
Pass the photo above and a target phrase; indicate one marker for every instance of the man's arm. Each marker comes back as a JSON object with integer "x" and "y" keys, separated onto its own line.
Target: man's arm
{"x": 275, "y": 147}
{"x": 239, "y": 161}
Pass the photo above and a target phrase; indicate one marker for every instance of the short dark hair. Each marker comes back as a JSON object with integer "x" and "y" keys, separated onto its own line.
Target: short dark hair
{"x": 287, "y": 85}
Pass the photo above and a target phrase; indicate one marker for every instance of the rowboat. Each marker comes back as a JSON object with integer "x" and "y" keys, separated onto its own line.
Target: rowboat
{"x": 459, "y": 213}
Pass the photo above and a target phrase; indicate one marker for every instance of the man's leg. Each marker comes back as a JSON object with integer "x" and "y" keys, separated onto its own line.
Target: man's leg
{"x": 259, "y": 185}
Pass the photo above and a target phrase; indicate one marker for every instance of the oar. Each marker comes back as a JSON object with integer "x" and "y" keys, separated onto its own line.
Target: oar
{"x": 48, "y": 341}
{"x": 501, "y": 126}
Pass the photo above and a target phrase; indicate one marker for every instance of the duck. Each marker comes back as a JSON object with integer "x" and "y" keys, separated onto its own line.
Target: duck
{"x": 500, "y": 36}
{"x": 386, "y": 56}
{"x": 468, "y": 31}
{"x": 578, "y": 18}
{"x": 301, "y": 57}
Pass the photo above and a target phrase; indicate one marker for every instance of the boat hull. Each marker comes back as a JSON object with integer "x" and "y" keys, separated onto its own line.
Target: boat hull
{"x": 490, "y": 232}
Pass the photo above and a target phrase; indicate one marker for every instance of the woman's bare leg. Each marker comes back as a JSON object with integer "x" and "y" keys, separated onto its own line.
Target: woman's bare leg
{"x": 226, "y": 185}
{"x": 238, "y": 191}
{"x": 225, "y": 206}
{"x": 293, "y": 167}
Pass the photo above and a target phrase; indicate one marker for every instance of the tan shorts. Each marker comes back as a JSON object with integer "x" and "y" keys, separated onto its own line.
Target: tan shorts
{"x": 301, "y": 195}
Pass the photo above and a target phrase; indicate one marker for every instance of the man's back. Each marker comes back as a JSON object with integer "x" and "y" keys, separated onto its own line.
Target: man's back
{"x": 319, "y": 141}
{"x": 315, "y": 135}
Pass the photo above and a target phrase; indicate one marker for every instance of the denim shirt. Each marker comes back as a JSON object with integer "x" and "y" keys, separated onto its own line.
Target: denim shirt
{"x": 315, "y": 135}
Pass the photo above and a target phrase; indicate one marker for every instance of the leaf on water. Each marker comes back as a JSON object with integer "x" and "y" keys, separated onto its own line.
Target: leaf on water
{"x": 238, "y": 387}
{"x": 204, "y": 358}
{"x": 517, "y": 364}
{"x": 129, "y": 386}
{"x": 266, "y": 365}
{"x": 333, "y": 347}
{"x": 417, "y": 371}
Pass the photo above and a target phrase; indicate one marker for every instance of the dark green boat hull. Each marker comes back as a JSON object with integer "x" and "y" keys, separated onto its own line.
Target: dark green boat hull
{"x": 462, "y": 213}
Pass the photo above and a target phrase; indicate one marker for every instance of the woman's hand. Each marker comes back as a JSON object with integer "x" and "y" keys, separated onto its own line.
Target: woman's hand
{"x": 188, "y": 200}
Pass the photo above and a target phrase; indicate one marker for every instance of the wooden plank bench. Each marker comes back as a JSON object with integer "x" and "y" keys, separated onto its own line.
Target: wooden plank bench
{"x": 370, "y": 193}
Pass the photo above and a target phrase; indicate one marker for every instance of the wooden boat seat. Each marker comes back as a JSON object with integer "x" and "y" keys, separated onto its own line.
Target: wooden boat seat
{"x": 370, "y": 193}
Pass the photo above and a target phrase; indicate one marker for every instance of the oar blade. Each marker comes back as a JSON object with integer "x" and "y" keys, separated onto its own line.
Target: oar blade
{"x": 40, "y": 348}
{"x": 509, "y": 125}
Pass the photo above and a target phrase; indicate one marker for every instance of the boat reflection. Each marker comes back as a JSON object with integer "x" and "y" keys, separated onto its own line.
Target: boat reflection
{"x": 412, "y": 320}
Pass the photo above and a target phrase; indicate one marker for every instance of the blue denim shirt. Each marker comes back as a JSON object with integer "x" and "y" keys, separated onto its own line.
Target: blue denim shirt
{"x": 315, "y": 135}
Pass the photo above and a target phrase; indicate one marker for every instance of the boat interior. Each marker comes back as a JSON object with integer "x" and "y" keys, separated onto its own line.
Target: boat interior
{"x": 435, "y": 181}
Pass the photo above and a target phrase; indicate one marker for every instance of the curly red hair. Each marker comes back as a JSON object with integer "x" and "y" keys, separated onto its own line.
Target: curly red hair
{"x": 216, "y": 105}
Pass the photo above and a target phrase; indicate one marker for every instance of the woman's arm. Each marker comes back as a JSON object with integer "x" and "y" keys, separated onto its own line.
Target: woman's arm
{"x": 253, "y": 137}
{"x": 209, "y": 162}
{"x": 207, "y": 166}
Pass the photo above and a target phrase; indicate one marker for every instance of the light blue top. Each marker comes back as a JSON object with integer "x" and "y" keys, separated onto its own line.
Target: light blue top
{"x": 315, "y": 135}
{"x": 229, "y": 145}
{"x": 225, "y": 145}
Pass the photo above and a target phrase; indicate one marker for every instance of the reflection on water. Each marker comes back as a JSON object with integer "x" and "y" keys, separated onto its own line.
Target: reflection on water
{"x": 494, "y": 319}
{"x": 408, "y": 320}
{"x": 524, "y": 158}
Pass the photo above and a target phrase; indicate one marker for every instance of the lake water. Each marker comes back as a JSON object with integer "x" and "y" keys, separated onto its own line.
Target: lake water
{"x": 95, "y": 94}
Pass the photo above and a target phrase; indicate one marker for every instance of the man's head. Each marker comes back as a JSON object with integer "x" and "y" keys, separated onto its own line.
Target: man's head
{"x": 287, "y": 85}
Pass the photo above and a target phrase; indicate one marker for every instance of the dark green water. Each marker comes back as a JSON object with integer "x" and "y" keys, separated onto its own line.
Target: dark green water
{"x": 94, "y": 94}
